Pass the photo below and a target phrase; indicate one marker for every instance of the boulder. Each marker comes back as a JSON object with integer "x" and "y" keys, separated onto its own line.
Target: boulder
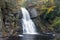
{"x": 33, "y": 12}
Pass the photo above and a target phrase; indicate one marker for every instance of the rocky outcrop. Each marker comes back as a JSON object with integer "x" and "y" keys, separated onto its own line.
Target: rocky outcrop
{"x": 33, "y": 12}
{"x": 1, "y": 23}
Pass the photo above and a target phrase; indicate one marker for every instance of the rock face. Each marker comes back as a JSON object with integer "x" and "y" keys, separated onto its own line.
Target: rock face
{"x": 0, "y": 23}
{"x": 11, "y": 15}
{"x": 33, "y": 12}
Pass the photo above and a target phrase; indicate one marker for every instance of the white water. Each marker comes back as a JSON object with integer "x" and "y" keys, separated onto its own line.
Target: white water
{"x": 27, "y": 24}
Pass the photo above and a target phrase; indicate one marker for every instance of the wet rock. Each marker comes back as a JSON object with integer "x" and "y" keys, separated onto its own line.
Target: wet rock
{"x": 31, "y": 37}
{"x": 33, "y": 12}
{"x": 20, "y": 14}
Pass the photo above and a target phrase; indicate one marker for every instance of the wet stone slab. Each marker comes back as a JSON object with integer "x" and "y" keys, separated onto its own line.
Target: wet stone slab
{"x": 30, "y": 37}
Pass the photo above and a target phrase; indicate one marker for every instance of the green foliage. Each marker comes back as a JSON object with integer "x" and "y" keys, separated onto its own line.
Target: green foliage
{"x": 57, "y": 21}
{"x": 52, "y": 17}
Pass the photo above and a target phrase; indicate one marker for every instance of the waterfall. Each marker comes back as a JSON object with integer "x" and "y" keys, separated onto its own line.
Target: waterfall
{"x": 27, "y": 23}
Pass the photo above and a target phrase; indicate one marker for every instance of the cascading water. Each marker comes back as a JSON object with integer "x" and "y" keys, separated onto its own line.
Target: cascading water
{"x": 27, "y": 24}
